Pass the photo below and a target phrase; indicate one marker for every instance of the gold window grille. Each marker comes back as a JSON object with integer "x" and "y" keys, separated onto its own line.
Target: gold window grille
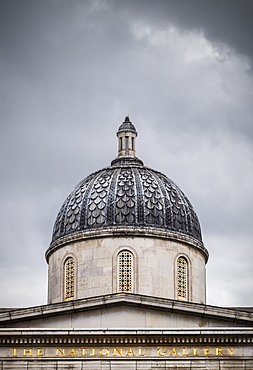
{"x": 125, "y": 272}
{"x": 182, "y": 278}
{"x": 69, "y": 279}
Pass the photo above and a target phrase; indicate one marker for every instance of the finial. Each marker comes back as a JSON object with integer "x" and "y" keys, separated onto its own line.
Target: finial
{"x": 127, "y": 126}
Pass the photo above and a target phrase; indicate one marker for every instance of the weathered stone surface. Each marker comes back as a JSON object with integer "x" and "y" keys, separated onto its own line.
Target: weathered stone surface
{"x": 126, "y": 311}
{"x": 126, "y": 349}
{"x": 154, "y": 267}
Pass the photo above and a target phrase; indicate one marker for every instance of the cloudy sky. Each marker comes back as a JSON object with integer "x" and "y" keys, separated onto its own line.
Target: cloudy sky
{"x": 71, "y": 70}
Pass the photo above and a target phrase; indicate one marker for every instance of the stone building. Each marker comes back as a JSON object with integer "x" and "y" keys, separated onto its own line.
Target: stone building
{"x": 126, "y": 282}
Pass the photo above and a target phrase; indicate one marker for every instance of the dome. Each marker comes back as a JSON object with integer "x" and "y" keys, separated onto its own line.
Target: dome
{"x": 127, "y": 197}
{"x": 127, "y": 126}
{"x": 126, "y": 228}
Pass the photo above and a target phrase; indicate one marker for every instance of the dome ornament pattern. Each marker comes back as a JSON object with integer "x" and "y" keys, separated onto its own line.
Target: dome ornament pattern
{"x": 130, "y": 197}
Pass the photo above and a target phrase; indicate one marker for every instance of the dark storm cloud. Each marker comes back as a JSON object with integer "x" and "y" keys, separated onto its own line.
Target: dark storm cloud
{"x": 71, "y": 71}
{"x": 227, "y": 21}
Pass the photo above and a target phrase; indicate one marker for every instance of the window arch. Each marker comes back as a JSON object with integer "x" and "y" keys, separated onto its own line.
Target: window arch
{"x": 69, "y": 279}
{"x": 182, "y": 278}
{"x": 125, "y": 272}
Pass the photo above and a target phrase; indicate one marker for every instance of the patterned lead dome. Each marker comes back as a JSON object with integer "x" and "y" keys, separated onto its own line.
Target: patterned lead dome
{"x": 127, "y": 195}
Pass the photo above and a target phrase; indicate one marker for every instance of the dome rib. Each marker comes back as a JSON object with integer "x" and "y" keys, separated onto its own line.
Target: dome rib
{"x": 167, "y": 208}
{"x": 111, "y": 198}
{"x": 139, "y": 198}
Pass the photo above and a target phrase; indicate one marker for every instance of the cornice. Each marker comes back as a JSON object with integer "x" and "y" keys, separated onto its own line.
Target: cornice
{"x": 147, "y": 337}
{"x": 127, "y": 232}
{"x": 148, "y": 302}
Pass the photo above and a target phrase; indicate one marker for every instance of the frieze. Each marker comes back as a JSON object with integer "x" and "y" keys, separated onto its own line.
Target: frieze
{"x": 103, "y": 351}
{"x": 131, "y": 344}
{"x": 72, "y": 338}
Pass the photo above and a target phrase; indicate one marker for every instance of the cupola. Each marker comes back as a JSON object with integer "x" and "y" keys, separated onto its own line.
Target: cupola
{"x": 126, "y": 139}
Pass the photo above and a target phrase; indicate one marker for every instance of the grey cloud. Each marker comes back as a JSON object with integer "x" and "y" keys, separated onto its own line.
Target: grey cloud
{"x": 227, "y": 21}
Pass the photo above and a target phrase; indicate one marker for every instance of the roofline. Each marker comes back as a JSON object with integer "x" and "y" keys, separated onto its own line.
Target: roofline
{"x": 93, "y": 303}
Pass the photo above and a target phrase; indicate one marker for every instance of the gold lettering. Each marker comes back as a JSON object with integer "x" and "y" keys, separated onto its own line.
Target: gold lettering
{"x": 140, "y": 352}
{"x": 231, "y": 350}
{"x": 173, "y": 352}
{"x": 40, "y": 352}
{"x": 28, "y": 352}
{"x": 161, "y": 351}
{"x": 206, "y": 351}
{"x": 124, "y": 351}
{"x": 130, "y": 352}
{"x": 218, "y": 352}
{"x": 60, "y": 351}
{"x": 195, "y": 353}
{"x": 104, "y": 351}
{"x": 184, "y": 353}
{"x": 83, "y": 351}
{"x": 117, "y": 351}
{"x": 72, "y": 353}
{"x": 15, "y": 351}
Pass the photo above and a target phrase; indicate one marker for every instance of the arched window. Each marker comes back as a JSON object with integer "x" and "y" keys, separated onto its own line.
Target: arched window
{"x": 182, "y": 278}
{"x": 69, "y": 279}
{"x": 125, "y": 272}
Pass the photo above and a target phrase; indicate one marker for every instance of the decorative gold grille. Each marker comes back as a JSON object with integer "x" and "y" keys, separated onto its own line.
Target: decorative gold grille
{"x": 125, "y": 272}
{"x": 69, "y": 279}
{"x": 182, "y": 278}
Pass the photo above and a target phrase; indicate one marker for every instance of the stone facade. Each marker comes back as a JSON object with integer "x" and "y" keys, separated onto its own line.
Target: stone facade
{"x": 154, "y": 267}
{"x": 126, "y": 349}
